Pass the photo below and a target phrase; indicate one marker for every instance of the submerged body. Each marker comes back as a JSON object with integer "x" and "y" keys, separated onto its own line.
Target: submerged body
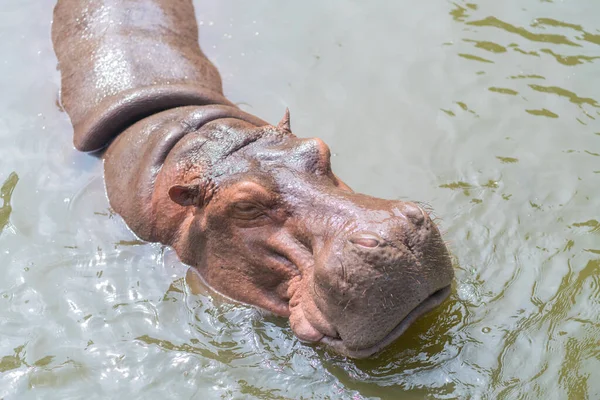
{"x": 254, "y": 209}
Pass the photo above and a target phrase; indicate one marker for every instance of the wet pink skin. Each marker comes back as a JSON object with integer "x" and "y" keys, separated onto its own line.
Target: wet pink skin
{"x": 254, "y": 209}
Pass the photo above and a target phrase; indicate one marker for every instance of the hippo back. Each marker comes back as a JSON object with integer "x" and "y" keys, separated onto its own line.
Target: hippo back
{"x": 123, "y": 60}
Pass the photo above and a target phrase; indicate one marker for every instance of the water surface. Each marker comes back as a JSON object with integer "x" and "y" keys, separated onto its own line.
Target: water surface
{"x": 487, "y": 111}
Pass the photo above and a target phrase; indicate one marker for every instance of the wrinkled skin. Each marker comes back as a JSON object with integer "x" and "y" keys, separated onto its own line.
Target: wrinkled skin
{"x": 254, "y": 209}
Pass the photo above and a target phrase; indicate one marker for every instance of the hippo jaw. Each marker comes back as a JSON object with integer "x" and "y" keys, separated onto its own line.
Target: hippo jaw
{"x": 338, "y": 344}
{"x": 424, "y": 307}
{"x": 275, "y": 228}
{"x": 368, "y": 285}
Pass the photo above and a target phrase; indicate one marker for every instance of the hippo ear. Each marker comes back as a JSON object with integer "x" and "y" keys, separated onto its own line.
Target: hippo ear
{"x": 284, "y": 124}
{"x": 187, "y": 195}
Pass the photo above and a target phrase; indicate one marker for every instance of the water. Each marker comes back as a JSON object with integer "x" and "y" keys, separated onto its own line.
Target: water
{"x": 485, "y": 110}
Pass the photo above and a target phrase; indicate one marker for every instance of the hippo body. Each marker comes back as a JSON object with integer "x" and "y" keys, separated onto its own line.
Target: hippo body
{"x": 254, "y": 209}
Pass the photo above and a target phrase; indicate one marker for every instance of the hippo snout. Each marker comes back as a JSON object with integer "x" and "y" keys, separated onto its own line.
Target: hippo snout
{"x": 365, "y": 240}
{"x": 413, "y": 213}
{"x": 371, "y": 284}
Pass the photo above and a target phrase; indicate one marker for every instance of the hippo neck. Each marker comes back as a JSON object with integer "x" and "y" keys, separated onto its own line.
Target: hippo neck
{"x": 123, "y": 62}
{"x": 116, "y": 113}
{"x": 140, "y": 166}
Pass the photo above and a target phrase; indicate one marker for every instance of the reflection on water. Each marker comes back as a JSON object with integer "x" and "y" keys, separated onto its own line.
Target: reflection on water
{"x": 439, "y": 102}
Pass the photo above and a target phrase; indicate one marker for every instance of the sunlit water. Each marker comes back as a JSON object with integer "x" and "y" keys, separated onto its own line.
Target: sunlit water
{"x": 485, "y": 110}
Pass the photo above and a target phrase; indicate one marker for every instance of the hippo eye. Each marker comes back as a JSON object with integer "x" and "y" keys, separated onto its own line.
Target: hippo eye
{"x": 246, "y": 210}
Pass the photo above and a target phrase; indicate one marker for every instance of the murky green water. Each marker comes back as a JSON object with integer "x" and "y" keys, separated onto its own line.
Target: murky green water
{"x": 486, "y": 110}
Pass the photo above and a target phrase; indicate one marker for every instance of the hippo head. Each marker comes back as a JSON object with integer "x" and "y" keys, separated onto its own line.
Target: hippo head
{"x": 274, "y": 227}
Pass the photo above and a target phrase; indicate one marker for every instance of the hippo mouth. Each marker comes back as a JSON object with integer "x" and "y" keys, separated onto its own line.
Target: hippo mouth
{"x": 424, "y": 307}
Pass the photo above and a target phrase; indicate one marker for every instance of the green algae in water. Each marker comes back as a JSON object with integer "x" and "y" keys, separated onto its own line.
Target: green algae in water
{"x": 6, "y": 194}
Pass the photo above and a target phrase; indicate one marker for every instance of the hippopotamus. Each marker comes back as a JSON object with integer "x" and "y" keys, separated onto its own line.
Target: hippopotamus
{"x": 256, "y": 210}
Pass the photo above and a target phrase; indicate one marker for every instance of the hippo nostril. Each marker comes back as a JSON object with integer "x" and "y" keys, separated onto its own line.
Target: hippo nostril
{"x": 365, "y": 240}
{"x": 413, "y": 213}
